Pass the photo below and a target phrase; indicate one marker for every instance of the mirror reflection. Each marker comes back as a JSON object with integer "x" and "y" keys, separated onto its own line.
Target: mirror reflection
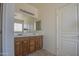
{"x": 26, "y": 23}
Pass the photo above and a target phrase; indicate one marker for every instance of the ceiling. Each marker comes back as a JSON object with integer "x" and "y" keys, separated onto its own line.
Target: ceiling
{"x": 40, "y": 5}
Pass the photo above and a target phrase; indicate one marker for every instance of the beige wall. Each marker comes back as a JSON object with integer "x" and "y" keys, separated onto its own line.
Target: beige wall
{"x": 47, "y": 15}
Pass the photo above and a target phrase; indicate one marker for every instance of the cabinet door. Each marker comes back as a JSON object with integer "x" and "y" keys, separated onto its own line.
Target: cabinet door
{"x": 18, "y": 47}
{"x": 39, "y": 42}
{"x": 25, "y": 47}
{"x": 32, "y": 45}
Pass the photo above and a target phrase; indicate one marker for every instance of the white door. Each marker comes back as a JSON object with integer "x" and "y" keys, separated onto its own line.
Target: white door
{"x": 67, "y": 30}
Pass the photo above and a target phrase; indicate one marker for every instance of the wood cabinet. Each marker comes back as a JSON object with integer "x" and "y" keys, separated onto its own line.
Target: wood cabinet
{"x": 27, "y": 45}
{"x": 39, "y": 43}
{"x": 18, "y": 47}
{"x": 32, "y": 45}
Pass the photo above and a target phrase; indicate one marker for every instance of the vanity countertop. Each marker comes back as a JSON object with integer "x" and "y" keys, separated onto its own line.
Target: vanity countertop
{"x": 27, "y": 35}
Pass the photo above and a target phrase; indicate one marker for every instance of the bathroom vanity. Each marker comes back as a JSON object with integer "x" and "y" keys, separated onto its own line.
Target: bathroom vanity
{"x": 27, "y": 29}
{"x": 26, "y": 45}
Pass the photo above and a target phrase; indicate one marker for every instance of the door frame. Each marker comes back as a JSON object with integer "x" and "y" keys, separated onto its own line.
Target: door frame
{"x": 1, "y": 32}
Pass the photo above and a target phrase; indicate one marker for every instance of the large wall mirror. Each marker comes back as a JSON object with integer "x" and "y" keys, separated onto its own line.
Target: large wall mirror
{"x": 26, "y": 23}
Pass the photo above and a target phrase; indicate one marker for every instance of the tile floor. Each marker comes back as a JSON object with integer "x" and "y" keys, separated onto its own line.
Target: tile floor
{"x": 41, "y": 52}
